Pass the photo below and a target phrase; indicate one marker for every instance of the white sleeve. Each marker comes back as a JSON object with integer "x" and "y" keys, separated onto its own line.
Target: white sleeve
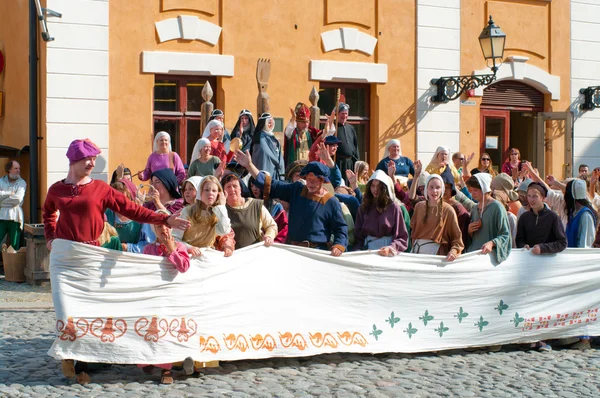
{"x": 176, "y": 232}
{"x": 289, "y": 129}
{"x": 587, "y": 231}
{"x": 223, "y": 224}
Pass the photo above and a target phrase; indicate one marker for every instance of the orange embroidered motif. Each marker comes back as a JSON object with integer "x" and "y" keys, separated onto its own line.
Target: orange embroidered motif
{"x": 267, "y": 342}
{"x": 72, "y": 331}
{"x": 345, "y": 338}
{"x": 319, "y": 340}
{"x": 152, "y": 330}
{"x": 359, "y": 339}
{"x": 296, "y": 340}
{"x": 210, "y": 344}
{"x": 185, "y": 331}
{"x": 109, "y": 331}
{"x": 231, "y": 342}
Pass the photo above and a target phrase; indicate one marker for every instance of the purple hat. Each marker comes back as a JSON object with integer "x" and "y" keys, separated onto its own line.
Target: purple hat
{"x": 318, "y": 169}
{"x": 81, "y": 149}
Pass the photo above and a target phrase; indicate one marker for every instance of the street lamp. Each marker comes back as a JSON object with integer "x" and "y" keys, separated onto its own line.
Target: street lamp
{"x": 591, "y": 98}
{"x": 491, "y": 40}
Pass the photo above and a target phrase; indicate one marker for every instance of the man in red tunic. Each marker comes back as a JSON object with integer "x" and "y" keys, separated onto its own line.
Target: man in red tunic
{"x": 81, "y": 202}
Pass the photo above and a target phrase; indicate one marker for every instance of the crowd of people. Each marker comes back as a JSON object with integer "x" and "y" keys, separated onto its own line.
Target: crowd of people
{"x": 244, "y": 187}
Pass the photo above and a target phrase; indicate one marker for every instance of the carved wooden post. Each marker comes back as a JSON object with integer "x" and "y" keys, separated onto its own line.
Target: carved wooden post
{"x": 315, "y": 112}
{"x": 263, "y": 71}
{"x": 207, "y": 106}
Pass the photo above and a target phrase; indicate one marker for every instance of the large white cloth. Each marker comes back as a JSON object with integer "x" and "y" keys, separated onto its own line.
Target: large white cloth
{"x": 286, "y": 301}
{"x": 11, "y": 199}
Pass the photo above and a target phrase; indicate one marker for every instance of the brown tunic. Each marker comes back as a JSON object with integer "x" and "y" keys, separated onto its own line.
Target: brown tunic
{"x": 442, "y": 229}
{"x": 245, "y": 222}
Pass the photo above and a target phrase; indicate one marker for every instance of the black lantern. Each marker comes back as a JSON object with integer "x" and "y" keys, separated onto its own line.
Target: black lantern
{"x": 591, "y": 97}
{"x": 491, "y": 40}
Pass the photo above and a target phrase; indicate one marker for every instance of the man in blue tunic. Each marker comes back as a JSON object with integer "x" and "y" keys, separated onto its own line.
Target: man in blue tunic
{"x": 314, "y": 214}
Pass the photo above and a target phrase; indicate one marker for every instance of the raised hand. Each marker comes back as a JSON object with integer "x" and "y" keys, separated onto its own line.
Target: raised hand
{"x": 351, "y": 179}
{"x": 120, "y": 171}
{"x": 219, "y": 170}
{"x": 391, "y": 168}
{"x": 222, "y": 198}
{"x": 418, "y": 168}
{"x": 244, "y": 159}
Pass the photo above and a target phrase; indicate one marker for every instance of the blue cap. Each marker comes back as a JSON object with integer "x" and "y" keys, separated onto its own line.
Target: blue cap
{"x": 332, "y": 140}
{"x": 318, "y": 169}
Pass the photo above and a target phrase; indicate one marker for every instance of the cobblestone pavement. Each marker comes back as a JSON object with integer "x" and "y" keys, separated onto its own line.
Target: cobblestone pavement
{"x": 22, "y": 295}
{"x": 27, "y": 371}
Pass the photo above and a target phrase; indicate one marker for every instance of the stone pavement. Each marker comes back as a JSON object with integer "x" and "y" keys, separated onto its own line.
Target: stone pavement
{"x": 27, "y": 371}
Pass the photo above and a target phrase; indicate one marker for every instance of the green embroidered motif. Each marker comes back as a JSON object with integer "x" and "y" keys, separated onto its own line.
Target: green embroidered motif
{"x": 481, "y": 324}
{"x": 517, "y": 319}
{"x": 376, "y": 332}
{"x": 501, "y": 307}
{"x": 410, "y": 330}
{"x": 441, "y": 330}
{"x": 392, "y": 320}
{"x": 426, "y": 317}
{"x": 461, "y": 315}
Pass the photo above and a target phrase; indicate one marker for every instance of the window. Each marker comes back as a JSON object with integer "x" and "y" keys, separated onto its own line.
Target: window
{"x": 177, "y": 101}
{"x": 357, "y": 96}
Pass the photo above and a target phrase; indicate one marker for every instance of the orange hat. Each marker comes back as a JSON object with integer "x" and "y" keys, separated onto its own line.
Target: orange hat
{"x": 302, "y": 113}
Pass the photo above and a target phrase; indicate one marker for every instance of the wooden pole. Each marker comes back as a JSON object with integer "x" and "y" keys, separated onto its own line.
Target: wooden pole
{"x": 207, "y": 106}
{"x": 263, "y": 71}
{"x": 315, "y": 112}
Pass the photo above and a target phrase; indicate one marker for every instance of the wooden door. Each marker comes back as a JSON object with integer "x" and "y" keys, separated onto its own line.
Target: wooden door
{"x": 495, "y": 135}
{"x": 543, "y": 150}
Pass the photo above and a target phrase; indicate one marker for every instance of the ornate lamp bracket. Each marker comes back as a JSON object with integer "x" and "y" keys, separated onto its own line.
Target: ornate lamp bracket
{"x": 450, "y": 88}
{"x": 591, "y": 98}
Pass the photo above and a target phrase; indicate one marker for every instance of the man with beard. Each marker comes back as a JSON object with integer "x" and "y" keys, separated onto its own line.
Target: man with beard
{"x": 12, "y": 192}
{"x": 244, "y": 128}
{"x": 299, "y": 136}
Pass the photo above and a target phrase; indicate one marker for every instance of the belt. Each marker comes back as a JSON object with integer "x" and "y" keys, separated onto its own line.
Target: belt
{"x": 305, "y": 243}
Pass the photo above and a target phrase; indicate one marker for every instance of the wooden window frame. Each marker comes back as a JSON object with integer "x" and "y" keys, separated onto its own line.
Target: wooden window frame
{"x": 182, "y": 115}
{"x": 355, "y": 120}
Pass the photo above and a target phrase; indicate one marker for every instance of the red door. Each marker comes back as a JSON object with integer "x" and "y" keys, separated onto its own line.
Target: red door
{"x": 495, "y": 136}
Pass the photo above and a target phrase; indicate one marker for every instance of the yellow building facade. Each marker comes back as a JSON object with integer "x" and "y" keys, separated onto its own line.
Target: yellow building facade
{"x": 119, "y": 71}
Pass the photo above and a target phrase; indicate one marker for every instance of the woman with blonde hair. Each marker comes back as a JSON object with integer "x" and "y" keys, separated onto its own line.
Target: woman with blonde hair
{"x": 440, "y": 164}
{"x": 485, "y": 165}
{"x": 163, "y": 157}
{"x": 434, "y": 226}
{"x": 361, "y": 170}
{"x": 210, "y": 225}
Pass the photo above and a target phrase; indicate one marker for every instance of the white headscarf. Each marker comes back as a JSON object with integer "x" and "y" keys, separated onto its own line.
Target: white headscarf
{"x": 158, "y": 136}
{"x": 422, "y": 179}
{"x": 384, "y": 178}
{"x": 434, "y": 159}
{"x": 432, "y": 177}
{"x": 195, "y": 181}
{"x": 578, "y": 189}
{"x": 389, "y": 144}
{"x": 210, "y": 125}
{"x": 201, "y": 143}
{"x": 485, "y": 181}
